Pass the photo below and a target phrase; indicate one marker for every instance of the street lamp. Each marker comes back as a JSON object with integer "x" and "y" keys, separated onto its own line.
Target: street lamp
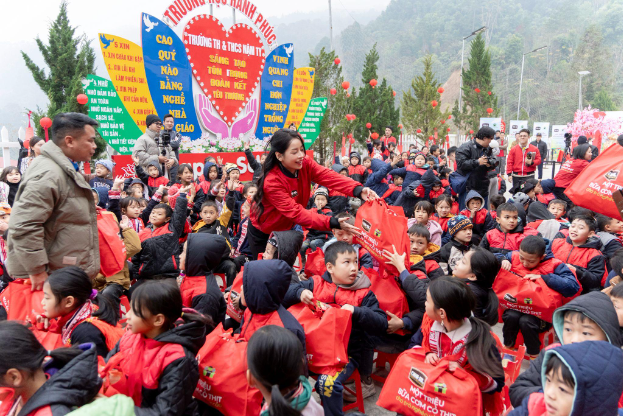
{"x": 521, "y": 73}
{"x": 581, "y": 73}
{"x": 461, "y": 73}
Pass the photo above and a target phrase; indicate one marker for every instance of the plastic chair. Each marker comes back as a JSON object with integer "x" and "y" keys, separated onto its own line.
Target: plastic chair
{"x": 511, "y": 367}
{"x": 380, "y": 362}
{"x": 357, "y": 392}
{"x": 546, "y": 338}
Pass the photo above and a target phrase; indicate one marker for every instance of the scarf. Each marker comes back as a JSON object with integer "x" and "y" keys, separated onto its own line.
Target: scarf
{"x": 137, "y": 224}
{"x": 242, "y": 238}
{"x": 361, "y": 282}
{"x": 80, "y": 316}
{"x": 299, "y": 398}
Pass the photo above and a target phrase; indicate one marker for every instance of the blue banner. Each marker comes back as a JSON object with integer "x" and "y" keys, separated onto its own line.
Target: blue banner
{"x": 276, "y": 88}
{"x": 169, "y": 75}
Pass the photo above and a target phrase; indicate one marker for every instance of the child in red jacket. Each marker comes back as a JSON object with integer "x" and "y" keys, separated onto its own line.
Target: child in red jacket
{"x": 482, "y": 221}
{"x": 508, "y": 234}
{"x": 357, "y": 172}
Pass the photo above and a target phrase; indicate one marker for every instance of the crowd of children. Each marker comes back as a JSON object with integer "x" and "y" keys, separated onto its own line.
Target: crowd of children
{"x": 179, "y": 279}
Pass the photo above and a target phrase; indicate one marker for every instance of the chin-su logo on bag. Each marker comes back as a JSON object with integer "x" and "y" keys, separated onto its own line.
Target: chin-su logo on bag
{"x": 417, "y": 377}
{"x": 439, "y": 388}
{"x": 528, "y": 301}
{"x": 510, "y": 298}
{"x": 209, "y": 372}
{"x": 612, "y": 175}
{"x": 366, "y": 225}
{"x": 294, "y": 194}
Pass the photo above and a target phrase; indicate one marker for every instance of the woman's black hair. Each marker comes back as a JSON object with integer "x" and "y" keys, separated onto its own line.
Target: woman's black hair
{"x": 274, "y": 358}
{"x": 21, "y": 349}
{"x": 181, "y": 171}
{"x": 33, "y": 141}
{"x": 163, "y": 297}
{"x": 73, "y": 281}
{"x": 554, "y": 364}
{"x": 6, "y": 171}
{"x": 486, "y": 266}
{"x": 579, "y": 151}
{"x": 446, "y": 198}
{"x": 279, "y": 142}
{"x": 458, "y": 302}
{"x": 425, "y": 206}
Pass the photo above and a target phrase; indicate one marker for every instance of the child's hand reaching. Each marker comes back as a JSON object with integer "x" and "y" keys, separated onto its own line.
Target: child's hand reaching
{"x": 532, "y": 277}
{"x": 118, "y": 182}
{"x": 506, "y": 265}
{"x": 125, "y": 222}
{"x": 219, "y": 161}
{"x": 395, "y": 259}
{"x": 395, "y": 323}
{"x": 431, "y": 358}
{"x": 307, "y": 297}
{"x": 135, "y": 159}
{"x": 348, "y": 307}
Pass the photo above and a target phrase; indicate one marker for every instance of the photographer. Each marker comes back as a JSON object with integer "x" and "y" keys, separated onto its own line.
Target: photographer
{"x": 474, "y": 160}
{"x": 174, "y": 138}
{"x": 151, "y": 147}
{"x": 522, "y": 161}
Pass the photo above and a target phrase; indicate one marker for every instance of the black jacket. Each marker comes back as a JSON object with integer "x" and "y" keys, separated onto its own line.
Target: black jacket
{"x": 73, "y": 385}
{"x": 415, "y": 288}
{"x": 204, "y": 253}
{"x": 542, "y": 147}
{"x": 450, "y": 253}
{"x": 596, "y": 306}
{"x": 254, "y": 164}
{"x": 467, "y": 159}
{"x": 177, "y": 381}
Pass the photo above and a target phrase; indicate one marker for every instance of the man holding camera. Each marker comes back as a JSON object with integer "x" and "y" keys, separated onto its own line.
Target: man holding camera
{"x": 152, "y": 147}
{"x": 522, "y": 161}
{"x": 474, "y": 160}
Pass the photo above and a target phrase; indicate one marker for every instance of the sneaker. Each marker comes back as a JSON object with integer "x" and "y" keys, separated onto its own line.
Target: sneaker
{"x": 368, "y": 390}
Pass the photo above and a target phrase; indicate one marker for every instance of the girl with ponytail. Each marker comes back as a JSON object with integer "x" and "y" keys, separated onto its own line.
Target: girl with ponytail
{"x": 284, "y": 190}
{"x": 81, "y": 313}
{"x": 478, "y": 268}
{"x": 157, "y": 353}
{"x": 68, "y": 378}
{"x": 275, "y": 367}
{"x": 464, "y": 340}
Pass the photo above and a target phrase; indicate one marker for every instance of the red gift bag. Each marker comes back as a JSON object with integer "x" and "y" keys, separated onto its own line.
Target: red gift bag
{"x": 223, "y": 375}
{"x": 315, "y": 263}
{"x": 20, "y": 303}
{"x": 112, "y": 247}
{"x": 235, "y": 292}
{"x": 382, "y": 228}
{"x": 532, "y": 297}
{"x": 414, "y": 387}
{"x": 327, "y": 335}
{"x": 389, "y": 294}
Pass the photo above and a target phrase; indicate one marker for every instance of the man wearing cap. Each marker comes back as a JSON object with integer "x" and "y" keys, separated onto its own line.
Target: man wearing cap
{"x": 543, "y": 150}
{"x": 150, "y": 148}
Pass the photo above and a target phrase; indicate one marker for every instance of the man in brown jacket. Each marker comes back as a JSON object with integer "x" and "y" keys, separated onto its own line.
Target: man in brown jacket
{"x": 53, "y": 222}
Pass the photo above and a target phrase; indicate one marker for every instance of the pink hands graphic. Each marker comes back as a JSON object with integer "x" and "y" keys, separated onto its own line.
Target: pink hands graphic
{"x": 209, "y": 120}
{"x": 245, "y": 124}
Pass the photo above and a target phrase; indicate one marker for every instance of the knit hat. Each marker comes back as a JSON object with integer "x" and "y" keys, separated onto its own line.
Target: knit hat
{"x": 521, "y": 198}
{"x": 151, "y": 119}
{"x": 106, "y": 163}
{"x": 548, "y": 185}
{"x": 272, "y": 240}
{"x": 582, "y": 140}
{"x": 321, "y": 191}
{"x": 229, "y": 167}
{"x": 458, "y": 223}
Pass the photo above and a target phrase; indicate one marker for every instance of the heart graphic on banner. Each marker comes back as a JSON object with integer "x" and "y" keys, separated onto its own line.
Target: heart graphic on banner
{"x": 227, "y": 64}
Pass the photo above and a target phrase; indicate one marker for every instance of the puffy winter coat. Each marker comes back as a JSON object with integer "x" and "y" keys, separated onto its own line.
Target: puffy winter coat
{"x": 569, "y": 171}
{"x": 200, "y": 291}
{"x": 255, "y": 166}
{"x": 610, "y": 243}
{"x": 517, "y": 157}
{"x": 316, "y": 234}
{"x": 377, "y": 179}
{"x": 589, "y": 262}
{"x": 554, "y": 272}
{"x": 53, "y": 222}
{"x": 498, "y": 241}
{"x": 410, "y": 173}
{"x": 286, "y": 194}
{"x": 482, "y": 221}
{"x": 146, "y": 149}
{"x": 451, "y": 253}
{"x": 414, "y": 283}
{"x": 357, "y": 172}
{"x": 467, "y": 159}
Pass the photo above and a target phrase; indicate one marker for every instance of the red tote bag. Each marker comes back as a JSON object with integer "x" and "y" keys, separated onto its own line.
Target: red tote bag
{"x": 327, "y": 336}
{"x": 315, "y": 263}
{"x": 20, "y": 303}
{"x": 389, "y": 294}
{"x": 414, "y": 387}
{"x": 382, "y": 228}
{"x": 532, "y": 297}
{"x": 223, "y": 375}
{"x": 112, "y": 247}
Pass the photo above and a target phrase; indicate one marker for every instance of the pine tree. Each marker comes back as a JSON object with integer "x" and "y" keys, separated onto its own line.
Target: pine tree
{"x": 603, "y": 101}
{"x": 374, "y": 105}
{"x": 416, "y": 109}
{"x": 69, "y": 59}
{"x": 477, "y": 76}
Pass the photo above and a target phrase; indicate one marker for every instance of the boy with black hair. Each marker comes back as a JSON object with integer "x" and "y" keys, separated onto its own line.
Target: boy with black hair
{"x": 460, "y": 229}
{"x": 434, "y": 151}
{"x": 367, "y": 162}
{"x": 616, "y": 298}
{"x": 424, "y": 254}
{"x": 558, "y": 207}
{"x": 436, "y": 190}
{"x": 508, "y": 233}
{"x": 532, "y": 262}
{"x": 365, "y": 260}
{"x": 581, "y": 252}
{"x": 482, "y": 221}
{"x": 357, "y": 172}
{"x": 451, "y": 153}
{"x": 609, "y": 232}
{"x": 589, "y": 317}
{"x": 495, "y": 201}
{"x": 343, "y": 286}
{"x": 316, "y": 238}
{"x": 394, "y": 190}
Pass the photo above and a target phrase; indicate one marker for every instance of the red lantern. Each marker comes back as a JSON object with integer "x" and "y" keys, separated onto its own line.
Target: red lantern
{"x": 369, "y": 125}
{"x": 449, "y": 117}
{"x": 430, "y": 137}
{"x": 440, "y": 90}
{"x": 434, "y": 103}
{"x": 448, "y": 129}
{"x": 400, "y": 126}
{"x": 442, "y": 121}
{"x": 471, "y": 131}
{"x": 348, "y": 117}
{"x": 82, "y": 99}
{"x": 337, "y": 61}
{"x": 394, "y": 93}
{"x": 348, "y": 95}
{"x": 353, "y": 117}
{"x": 46, "y": 123}
{"x": 351, "y": 140}
{"x": 489, "y": 110}
{"x": 373, "y": 82}
{"x": 489, "y": 92}
{"x": 345, "y": 85}
{"x": 333, "y": 91}
{"x": 375, "y": 136}
{"x": 435, "y": 129}
{"x": 477, "y": 90}
{"x": 418, "y": 131}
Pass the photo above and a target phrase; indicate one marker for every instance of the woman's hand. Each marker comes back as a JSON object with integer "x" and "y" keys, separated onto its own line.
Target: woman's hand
{"x": 368, "y": 194}
{"x": 344, "y": 225}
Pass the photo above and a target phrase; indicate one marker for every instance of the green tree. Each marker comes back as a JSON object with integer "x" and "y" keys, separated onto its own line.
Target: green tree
{"x": 416, "y": 109}
{"x": 374, "y": 105}
{"x": 603, "y": 101}
{"x": 477, "y": 76}
{"x": 69, "y": 59}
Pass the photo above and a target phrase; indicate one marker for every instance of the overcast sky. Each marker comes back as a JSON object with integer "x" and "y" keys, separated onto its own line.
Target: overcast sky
{"x": 24, "y": 21}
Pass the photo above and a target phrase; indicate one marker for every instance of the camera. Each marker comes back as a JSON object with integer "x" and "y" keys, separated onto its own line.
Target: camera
{"x": 163, "y": 141}
{"x": 490, "y": 152}
{"x": 568, "y": 139}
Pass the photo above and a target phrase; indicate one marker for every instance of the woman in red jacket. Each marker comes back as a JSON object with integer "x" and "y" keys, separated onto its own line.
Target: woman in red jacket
{"x": 581, "y": 155}
{"x": 284, "y": 190}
